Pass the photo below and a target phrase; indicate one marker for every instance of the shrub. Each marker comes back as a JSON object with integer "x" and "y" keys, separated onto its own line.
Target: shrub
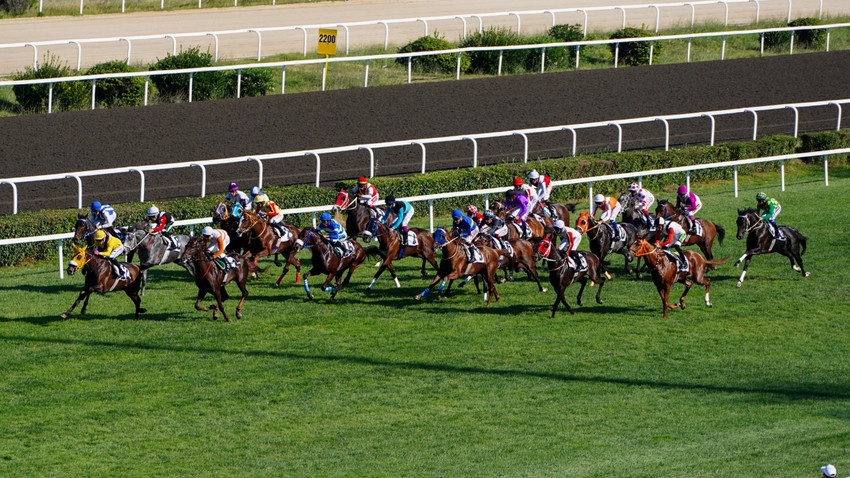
{"x": 434, "y": 63}
{"x": 16, "y": 7}
{"x": 117, "y": 91}
{"x": 556, "y": 56}
{"x": 634, "y": 53}
{"x": 205, "y": 86}
{"x": 255, "y": 82}
{"x": 487, "y": 62}
{"x": 67, "y": 95}
{"x": 802, "y": 38}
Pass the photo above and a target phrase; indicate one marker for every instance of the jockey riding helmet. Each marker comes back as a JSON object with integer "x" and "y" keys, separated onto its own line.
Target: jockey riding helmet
{"x": 489, "y": 213}
{"x": 255, "y": 190}
{"x": 261, "y": 199}
{"x": 634, "y": 187}
{"x": 559, "y": 224}
{"x": 510, "y": 194}
{"x": 456, "y": 214}
{"x": 95, "y": 206}
{"x": 362, "y": 180}
{"x": 325, "y": 216}
{"x": 683, "y": 190}
{"x": 472, "y": 209}
{"x": 153, "y": 211}
{"x": 761, "y": 197}
{"x": 599, "y": 199}
{"x": 517, "y": 182}
{"x": 390, "y": 199}
{"x": 99, "y": 235}
{"x": 533, "y": 174}
{"x": 208, "y": 231}
{"x": 233, "y": 187}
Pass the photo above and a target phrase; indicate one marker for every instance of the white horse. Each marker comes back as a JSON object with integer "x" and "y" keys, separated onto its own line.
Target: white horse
{"x": 153, "y": 248}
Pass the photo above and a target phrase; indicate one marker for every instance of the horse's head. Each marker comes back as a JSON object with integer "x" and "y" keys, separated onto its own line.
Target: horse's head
{"x": 306, "y": 238}
{"x": 747, "y": 219}
{"x": 194, "y": 252}
{"x": 82, "y": 227}
{"x": 543, "y": 249}
{"x": 498, "y": 207}
{"x": 440, "y": 238}
{"x": 640, "y": 247}
{"x": 79, "y": 260}
{"x": 245, "y": 222}
{"x": 583, "y": 221}
{"x": 371, "y": 230}
{"x": 665, "y": 209}
{"x": 220, "y": 213}
{"x": 625, "y": 199}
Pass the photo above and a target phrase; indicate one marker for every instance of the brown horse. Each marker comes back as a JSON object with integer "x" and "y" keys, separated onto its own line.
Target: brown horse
{"x": 263, "y": 241}
{"x": 99, "y": 278}
{"x": 536, "y": 227}
{"x": 327, "y": 261}
{"x": 390, "y": 248}
{"x": 562, "y": 210}
{"x": 665, "y": 273}
{"x": 226, "y": 216}
{"x": 710, "y": 230}
{"x": 455, "y": 265}
{"x": 519, "y": 257}
{"x": 357, "y": 215}
{"x": 561, "y": 275}
{"x": 210, "y": 279}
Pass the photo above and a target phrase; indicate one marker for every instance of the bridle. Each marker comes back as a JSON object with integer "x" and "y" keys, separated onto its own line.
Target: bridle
{"x": 547, "y": 245}
{"x": 746, "y": 219}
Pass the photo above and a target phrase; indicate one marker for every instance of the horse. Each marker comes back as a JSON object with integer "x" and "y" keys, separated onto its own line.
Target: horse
{"x": 226, "y": 217}
{"x": 521, "y": 255}
{"x": 602, "y": 240}
{"x": 665, "y": 273}
{"x": 153, "y": 249}
{"x": 562, "y": 210}
{"x": 631, "y": 216}
{"x": 327, "y": 261}
{"x": 210, "y": 279}
{"x": 99, "y": 278}
{"x": 760, "y": 241}
{"x": 390, "y": 244}
{"x": 84, "y": 229}
{"x": 710, "y": 230}
{"x": 262, "y": 241}
{"x": 357, "y": 215}
{"x": 561, "y": 275}
{"x": 535, "y": 226}
{"x": 454, "y": 265}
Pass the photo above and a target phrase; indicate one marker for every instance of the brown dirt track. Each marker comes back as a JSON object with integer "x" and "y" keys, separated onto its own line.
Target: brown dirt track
{"x": 46, "y": 144}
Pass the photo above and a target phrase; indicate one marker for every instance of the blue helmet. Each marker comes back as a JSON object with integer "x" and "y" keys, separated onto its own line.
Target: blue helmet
{"x": 457, "y": 213}
{"x": 95, "y": 206}
{"x": 325, "y": 216}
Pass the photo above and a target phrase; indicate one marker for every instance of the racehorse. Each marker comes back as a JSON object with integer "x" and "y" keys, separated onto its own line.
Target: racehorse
{"x": 760, "y": 241}
{"x": 521, "y": 256}
{"x": 390, "y": 244}
{"x": 561, "y": 275}
{"x": 210, "y": 279}
{"x": 454, "y": 265}
{"x": 665, "y": 273}
{"x": 99, "y": 278}
{"x": 262, "y": 241}
{"x": 226, "y": 217}
{"x": 153, "y": 248}
{"x": 710, "y": 230}
{"x": 631, "y": 216}
{"x": 327, "y": 261}
{"x": 562, "y": 210}
{"x": 84, "y": 229}
{"x": 535, "y": 226}
{"x": 357, "y": 215}
{"x": 602, "y": 241}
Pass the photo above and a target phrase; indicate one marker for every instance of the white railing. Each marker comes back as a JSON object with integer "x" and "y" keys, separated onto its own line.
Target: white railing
{"x": 409, "y": 56}
{"x": 486, "y": 192}
{"x": 422, "y": 142}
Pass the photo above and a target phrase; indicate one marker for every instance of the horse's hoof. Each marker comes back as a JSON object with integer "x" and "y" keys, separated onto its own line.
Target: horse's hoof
{"x": 738, "y": 284}
{"x": 709, "y": 305}
{"x": 807, "y": 274}
{"x": 737, "y": 264}
{"x": 63, "y": 315}
{"x": 461, "y": 286}
{"x": 599, "y": 301}
{"x": 238, "y": 315}
{"x": 502, "y": 280}
{"x": 310, "y": 296}
{"x": 418, "y": 297}
{"x": 439, "y": 297}
{"x": 796, "y": 268}
{"x": 713, "y": 268}
{"x": 544, "y": 290}
{"x": 682, "y": 306}
{"x": 580, "y": 303}
{"x": 142, "y": 311}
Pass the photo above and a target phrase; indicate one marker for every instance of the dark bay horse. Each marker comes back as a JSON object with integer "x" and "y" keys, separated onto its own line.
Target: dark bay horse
{"x": 99, "y": 278}
{"x": 226, "y": 217}
{"x": 152, "y": 248}
{"x": 710, "y": 230}
{"x": 602, "y": 240}
{"x": 357, "y": 215}
{"x": 390, "y": 245}
{"x": 521, "y": 257}
{"x": 561, "y": 275}
{"x": 211, "y": 279}
{"x": 536, "y": 227}
{"x": 262, "y": 240}
{"x": 760, "y": 241}
{"x": 454, "y": 265}
{"x": 84, "y": 229}
{"x": 562, "y": 210}
{"x": 632, "y": 216}
{"x": 327, "y": 261}
{"x": 665, "y": 273}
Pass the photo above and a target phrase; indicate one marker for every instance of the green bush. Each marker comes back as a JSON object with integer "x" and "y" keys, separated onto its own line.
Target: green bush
{"x": 487, "y": 62}
{"x": 557, "y": 57}
{"x": 634, "y": 53}
{"x": 802, "y": 38}
{"x": 16, "y": 7}
{"x": 562, "y": 33}
{"x": 205, "y": 86}
{"x": 111, "y": 92}
{"x": 255, "y": 82}
{"x": 69, "y": 95}
{"x": 446, "y": 64}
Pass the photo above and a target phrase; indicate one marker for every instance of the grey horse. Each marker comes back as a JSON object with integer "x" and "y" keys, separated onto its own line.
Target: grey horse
{"x": 152, "y": 248}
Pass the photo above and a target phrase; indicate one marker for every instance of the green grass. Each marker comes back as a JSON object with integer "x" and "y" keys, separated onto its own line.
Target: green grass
{"x": 380, "y": 385}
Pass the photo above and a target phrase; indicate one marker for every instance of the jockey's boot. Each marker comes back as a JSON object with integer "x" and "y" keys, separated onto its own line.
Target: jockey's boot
{"x": 170, "y": 241}
{"x": 681, "y": 259}
{"x": 693, "y": 223}
{"x": 279, "y": 228}
{"x": 116, "y": 268}
{"x": 525, "y": 232}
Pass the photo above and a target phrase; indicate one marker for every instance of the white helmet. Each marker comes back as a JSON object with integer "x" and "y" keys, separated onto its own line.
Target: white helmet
{"x": 208, "y": 231}
{"x": 599, "y": 198}
{"x": 559, "y": 224}
{"x": 533, "y": 174}
{"x": 153, "y": 211}
{"x": 255, "y": 190}
{"x": 634, "y": 187}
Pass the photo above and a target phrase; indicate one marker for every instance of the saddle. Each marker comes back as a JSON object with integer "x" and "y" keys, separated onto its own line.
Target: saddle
{"x": 695, "y": 228}
{"x": 410, "y": 241}
{"x": 474, "y": 255}
{"x": 503, "y": 244}
{"x": 170, "y": 242}
{"x": 775, "y": 232}
{"x": 344, "y": 248}
{"x": 619, "y": 234}
{"x": 282, "y": 233}
{"x": 524, "y": 232}
{"x": 681, "y": 263}
{"x": 581, "y": 266}
{"x": 553, "y": 213}
{"x": 226, "y": 263}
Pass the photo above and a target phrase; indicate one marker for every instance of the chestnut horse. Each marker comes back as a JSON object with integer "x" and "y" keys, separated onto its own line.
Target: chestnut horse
{"x": 357, "y": 215}
{"x": 327, "y": 261}
{"x": 602, "y": 240}
{"x": 710, "y": 230}
{"x": 521, "y": 256}
{"x": 665, "y": 273}
{"x": 760, "y": 241}
{"x": 99, "y": 278}
{"x": 262, "y": 240}
{"x": 561, "y": 275}
{"x": 210, "y": 279}
{"x": 562, "y": 210}
{"x": 390, "y": 245}
{"x": 535, "y": 226}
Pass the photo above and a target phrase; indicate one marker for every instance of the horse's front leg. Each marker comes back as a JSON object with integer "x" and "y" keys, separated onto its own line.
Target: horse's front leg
{"x": 240, "y": 282}
{"x": 84, "y": 294}
{"x": 307, "y": 284}
{"x": 420, "y": 295}
{"x": 144, "y": 284}
{"x": 86, "y": 303}
{"x": 220, "y": 305}
{"x": 583, "y": 282}
{"x": 747, "y": 257}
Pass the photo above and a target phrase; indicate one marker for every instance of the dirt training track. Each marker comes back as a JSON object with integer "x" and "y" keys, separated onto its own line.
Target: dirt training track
{"x": 75, "y": 141}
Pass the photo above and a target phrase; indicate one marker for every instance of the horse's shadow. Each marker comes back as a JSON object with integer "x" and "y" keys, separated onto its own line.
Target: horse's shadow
{"x": 46, "y": 289}
{"x": 90, "y": 316}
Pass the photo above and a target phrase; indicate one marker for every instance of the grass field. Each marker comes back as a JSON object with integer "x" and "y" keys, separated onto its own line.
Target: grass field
{"x": 380, "y": 385}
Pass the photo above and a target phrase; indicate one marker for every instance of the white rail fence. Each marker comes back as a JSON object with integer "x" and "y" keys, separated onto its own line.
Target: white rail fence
{"x": 409, "y": 56}
{"x": 422, "y": 144}
{"x": 486, "y": 192}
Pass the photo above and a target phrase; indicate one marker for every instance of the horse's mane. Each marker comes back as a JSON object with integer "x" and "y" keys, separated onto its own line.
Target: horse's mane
{"x": 748, "y": 210}
{"x": 663, "y": 201}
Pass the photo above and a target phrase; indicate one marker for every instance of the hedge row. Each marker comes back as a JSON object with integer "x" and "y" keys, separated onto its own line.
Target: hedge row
{"x": 54, "y": 221}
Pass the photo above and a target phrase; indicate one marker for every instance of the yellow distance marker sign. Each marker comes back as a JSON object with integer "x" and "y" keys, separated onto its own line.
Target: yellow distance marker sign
{"x": 327, "y": 42}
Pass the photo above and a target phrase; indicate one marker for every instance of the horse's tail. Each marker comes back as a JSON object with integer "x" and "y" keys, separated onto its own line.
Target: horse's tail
{"x": 253, "y": 267}
{"x": 570, "y": 207}
{"x": 802, "y": 240}
{"x": 374, "y": 251}
{"x": 716, "y": 262}
{"x": 721, "y": 233}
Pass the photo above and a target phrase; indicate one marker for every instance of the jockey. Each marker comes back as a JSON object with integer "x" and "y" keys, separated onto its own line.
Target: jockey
{"x": 493, "y": 225}
{"x": 771, "y": 209}
{"x": 254, "y": 191}
{"x": 520, "y": 186}
{"x": 610, "y": 208}
{"x": 335, "y": 232}
{"x": 366, "y": 192}
{"x": 570, "y": 239}
{"x": 109, "y": 247}
{"x": 516, "y": 206}
{"x": 641, "y": 200}
{"x": 466, "y": 227}
{"x": 235, "y": 195}
{"x": 274, "y": 215}
{"x": 544, "y": 190}
{"x": 403, "y": 211}
{"x": 675, "y": 235}
{"x": 472, "y": 211}
{"x": 216, "y": 241}
{"x": 162, "y": 224}
{"x": 688, "y": 203}
{"x": 103, "y": 217}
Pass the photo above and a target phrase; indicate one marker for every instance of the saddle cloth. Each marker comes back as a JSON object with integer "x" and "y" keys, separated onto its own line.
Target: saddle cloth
{"x": 503, "y": 244}
{"x": 347, "y": 248}
{"x": 227, "y": 263}
{"x": 619, "y": 234}
{"x": 582, "y": 262}
{"x": 680, "y": 266}
{"x": 696, "y": 228}
{"x": 523, "y": 232}
{"x": 473, "y": 255}
{"x": 775, "y": 232}
{"x": 123, "y": 272}
{"x": 411, "y": 239}
{"x": 287, "y": 235}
